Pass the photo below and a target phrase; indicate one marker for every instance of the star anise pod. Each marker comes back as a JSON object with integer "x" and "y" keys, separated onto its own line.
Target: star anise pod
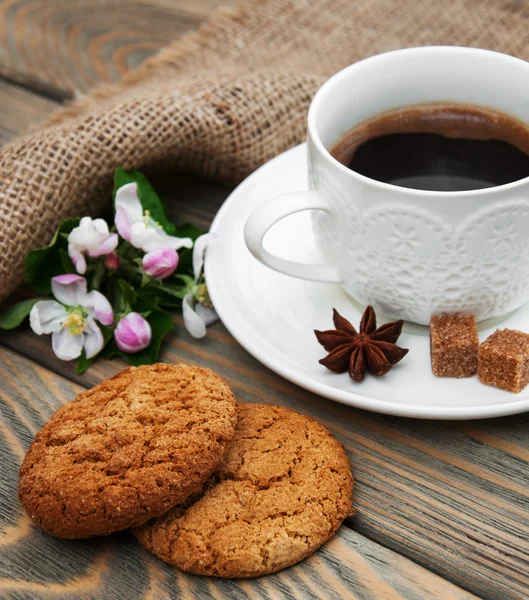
{"x": 370, "y": 348}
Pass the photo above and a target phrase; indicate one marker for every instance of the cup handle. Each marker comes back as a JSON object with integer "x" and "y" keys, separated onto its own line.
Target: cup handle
{"x": 260, "y": 221}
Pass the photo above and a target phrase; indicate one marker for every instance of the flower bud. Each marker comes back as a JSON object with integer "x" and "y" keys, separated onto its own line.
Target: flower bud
{"x": 160, "y": 263}
{"x": 133, "y": 333}
{"x": 112, "y": 261}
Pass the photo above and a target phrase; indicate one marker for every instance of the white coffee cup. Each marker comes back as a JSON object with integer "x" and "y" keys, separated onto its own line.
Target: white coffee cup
{"x": 411, "y": 253}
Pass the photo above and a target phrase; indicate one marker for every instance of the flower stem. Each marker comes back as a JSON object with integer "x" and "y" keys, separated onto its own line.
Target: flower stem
{"x": 130, "y": 270}
{"x": 176, "y": 291}
{"x": 99, "y": 273}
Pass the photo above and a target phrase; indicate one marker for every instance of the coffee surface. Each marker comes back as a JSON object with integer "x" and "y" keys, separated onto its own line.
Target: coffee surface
{"x": 440, "y": 147}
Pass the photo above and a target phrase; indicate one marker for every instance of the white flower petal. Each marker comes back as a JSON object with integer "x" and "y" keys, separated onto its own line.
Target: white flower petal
{"x": 47, "y": 316}
{"x": 87, "y": 235}
{"x": 93, "y": 339}
{"x": 100, "y": 225}
{"x": 96, "y": 302}
{"x": 69, "y": 289}
{"x": 66, "y": 345}
{"x": 144, "y": 237}
{"x": 150, "y": 238}
{"x": 128, "y": 208}
{"x": 192, "y": 321}
{"x": 199, "y": 251}
{"x": 171, "y": 241}
{"x": 208, "y": 315}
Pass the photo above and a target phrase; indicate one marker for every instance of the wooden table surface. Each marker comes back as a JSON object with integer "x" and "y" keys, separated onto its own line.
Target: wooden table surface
{"x": 442, "y": 507}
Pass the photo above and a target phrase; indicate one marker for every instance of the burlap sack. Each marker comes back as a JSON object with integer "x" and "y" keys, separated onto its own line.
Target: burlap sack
{"x": 220, "y": 101}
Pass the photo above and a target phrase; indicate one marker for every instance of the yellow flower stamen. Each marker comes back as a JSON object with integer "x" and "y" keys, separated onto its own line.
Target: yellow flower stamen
{"x": 202, "y": 295}
{"x": 148, "y": 220}
{"x": 75, "y": 322}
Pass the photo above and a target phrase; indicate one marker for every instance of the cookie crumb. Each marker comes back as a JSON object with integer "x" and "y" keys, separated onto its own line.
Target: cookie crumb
{"x": 503, "y": 360}
{"x": 454, "y": 344}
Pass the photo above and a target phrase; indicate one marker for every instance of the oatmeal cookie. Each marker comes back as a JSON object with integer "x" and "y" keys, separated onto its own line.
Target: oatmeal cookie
{"x": 283, "y": 489}
{"x": 127, "y": 450}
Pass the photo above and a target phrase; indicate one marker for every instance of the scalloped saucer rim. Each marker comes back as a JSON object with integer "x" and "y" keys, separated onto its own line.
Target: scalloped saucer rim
{"x": 273, "y": 316}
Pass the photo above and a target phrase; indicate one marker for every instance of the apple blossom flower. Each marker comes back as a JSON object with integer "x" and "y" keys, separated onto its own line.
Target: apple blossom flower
{"x": 133, "y": 333}
{"x": 137, "y": 226}
{"x": 112, "y": 261}
{"x": 70, "y": 318}
{"x": 160, "y": 263}
{"x": 90, "y": 237}
{"x": 198, "y": 312}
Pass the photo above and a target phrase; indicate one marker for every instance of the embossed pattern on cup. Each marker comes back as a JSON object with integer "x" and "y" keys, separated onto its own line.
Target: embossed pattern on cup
{"x": 411, "y": 263}
{"x": 411, "y": 253}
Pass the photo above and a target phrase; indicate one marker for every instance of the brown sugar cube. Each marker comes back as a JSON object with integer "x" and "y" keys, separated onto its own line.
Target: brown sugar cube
{"x": 503, "y": 360}
{"x": 454, "y": 343}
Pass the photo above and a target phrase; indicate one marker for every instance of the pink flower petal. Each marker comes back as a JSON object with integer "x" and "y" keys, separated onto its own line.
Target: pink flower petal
{"x": 160, "y": 263}
{"x": 78, "y": 259}
{"x": 106, "y": 247}
{"x": 68, "y": 278}
{"x": 123, "y": 225}
{"x": 133, "y": 333}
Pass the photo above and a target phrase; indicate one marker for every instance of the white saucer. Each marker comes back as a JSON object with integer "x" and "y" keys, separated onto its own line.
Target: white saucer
{"x": 273, "y": 316}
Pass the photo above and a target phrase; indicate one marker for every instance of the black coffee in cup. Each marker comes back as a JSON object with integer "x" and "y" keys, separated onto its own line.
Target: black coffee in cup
{"x": 440, "y": 147}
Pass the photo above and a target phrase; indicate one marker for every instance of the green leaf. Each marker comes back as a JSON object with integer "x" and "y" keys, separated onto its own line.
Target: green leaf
{"x": 82, "y": 362}
{"x": 124, "y": 297}
{"x": 187, "y": 280}
{"x": 148, "y": 197}
{"x": 187, "y": 230}
{"x": 128, "y": 293}
{"x": 12, "y": 316}
{"x": 185, "y": 262}
{"x": 42, "y": 264}
{"x": 153, "y": 297}
{"x": 99, "y": 274}
{"x": 67, "y": 264}
{"x": 161, "y": 324}
{"x": 145, "y": 280}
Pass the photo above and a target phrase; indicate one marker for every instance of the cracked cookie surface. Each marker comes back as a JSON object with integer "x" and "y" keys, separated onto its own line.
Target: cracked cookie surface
{"x": 282, "y": 489}
{"x": 127, "y": 450}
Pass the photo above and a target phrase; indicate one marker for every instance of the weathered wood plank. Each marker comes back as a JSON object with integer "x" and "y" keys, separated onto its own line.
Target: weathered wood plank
{"x": 20, "y": 110}
{"x": 34, "y": 565}
{"x": 425, "y": 489}
{"x": 67, "y": 46}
